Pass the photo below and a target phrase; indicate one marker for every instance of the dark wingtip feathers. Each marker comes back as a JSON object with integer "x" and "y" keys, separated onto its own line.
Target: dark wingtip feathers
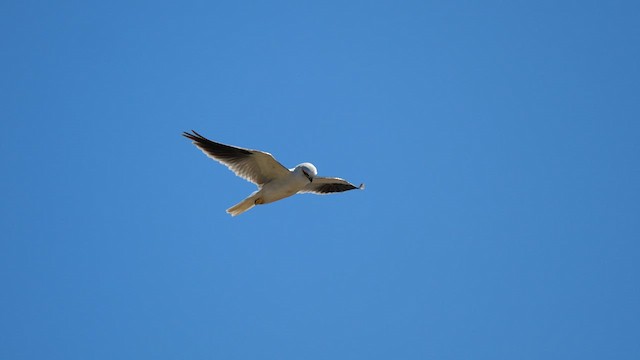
{"x": 215, "y": 149}
{"x": 195, "y": 136}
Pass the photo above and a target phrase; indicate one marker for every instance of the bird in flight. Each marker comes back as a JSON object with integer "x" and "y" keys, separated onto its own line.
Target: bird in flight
{"x": 275, "y": 182}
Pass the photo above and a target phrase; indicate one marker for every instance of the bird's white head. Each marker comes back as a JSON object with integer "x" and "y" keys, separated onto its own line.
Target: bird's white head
{"x": 308, "y": 170}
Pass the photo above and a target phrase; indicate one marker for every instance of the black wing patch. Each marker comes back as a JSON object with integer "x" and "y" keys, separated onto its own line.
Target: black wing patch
{"x": 333, "y": 188}
{"x": 219, "y": 151}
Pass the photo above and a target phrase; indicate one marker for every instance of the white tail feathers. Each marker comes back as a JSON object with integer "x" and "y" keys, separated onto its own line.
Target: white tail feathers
{"x": 242, "y": 206}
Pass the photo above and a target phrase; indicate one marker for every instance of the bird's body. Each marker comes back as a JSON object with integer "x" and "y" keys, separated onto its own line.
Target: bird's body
{"x": 275, "y": 182}
{"x": 281, "y": 188}
{"x": 274, "y": 190}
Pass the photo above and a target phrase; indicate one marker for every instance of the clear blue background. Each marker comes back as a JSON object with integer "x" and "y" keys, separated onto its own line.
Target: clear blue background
{"x": 499, "y": 142}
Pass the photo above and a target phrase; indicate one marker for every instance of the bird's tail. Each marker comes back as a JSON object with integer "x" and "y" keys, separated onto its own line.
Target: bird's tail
{"x": 243, "y": 205}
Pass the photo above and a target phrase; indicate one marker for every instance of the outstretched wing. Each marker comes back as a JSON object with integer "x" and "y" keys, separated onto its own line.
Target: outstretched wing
{"x": 325, "y": 185}
{"x": 253, "y": 165}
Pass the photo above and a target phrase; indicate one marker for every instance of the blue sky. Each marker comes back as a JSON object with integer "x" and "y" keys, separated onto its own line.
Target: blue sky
{"x": 498, "y": 141}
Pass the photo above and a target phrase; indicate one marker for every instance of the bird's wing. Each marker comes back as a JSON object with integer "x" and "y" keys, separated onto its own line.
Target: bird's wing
{"x": 253, "y": 165}
{"x": 326, "y": 185}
